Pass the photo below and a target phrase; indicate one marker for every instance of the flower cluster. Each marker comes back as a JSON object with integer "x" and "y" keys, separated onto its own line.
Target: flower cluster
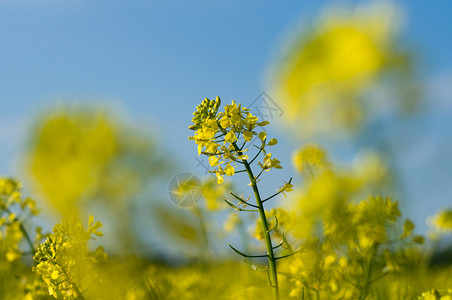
{"x": 111, "y": 160}
{"x": 359, "y": 233}
{"x": 310, "y": 157}
{"x": 313, "y": 264}
{"x": 436, "y": 295}
{"x": 14, "y": 211}
{"x": 16, "y": 243}
{"x": 225, "y": 137}
{"x": 219, "y": 135}
{"x": 64, "y": 261}
{"x": 326, "y": 74}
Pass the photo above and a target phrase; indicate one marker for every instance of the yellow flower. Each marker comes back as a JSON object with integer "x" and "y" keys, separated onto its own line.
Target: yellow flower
{"x": 81, "y": 154}
{"x": 224, "y": 122}
{"x": 310, "y": 157}
{"x": 216, "y": 134}
{"x": 230, "y": 137}
{"x": 214, "y": 194}
{"x": 272, "y": 142}
{"x": 219, "y": 177}
{"x": 63, "y": 258}
{"x": 213, "y": 160}
{"x": 247, "y": 135}
{"x": 443, "y": 220}
{"x": 287, "y": 187}
{"x": 326, "y": 72}
{"x": 229, "y": 170}
{"x": 269, "y": 163}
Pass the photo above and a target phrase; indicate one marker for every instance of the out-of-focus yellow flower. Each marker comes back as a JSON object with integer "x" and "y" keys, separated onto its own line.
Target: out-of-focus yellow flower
{"x": 64, "y": 261}
{"x": 15, "y": 211}
{"x": 443, "y": 220}
{"x": 69, "y": 155}
{"x": 309, "y": 158}
{"x": 215, "y": 193}
{"x": 278, "y": 218}
{"x": 436, "y": 295}
{"x": 329, "y": 68}
{"x": 312, "y": 267}
{"x": 371, "y": 167}
{"x": 327, "y": 190}
{"x": 231, "y": 222}
{"x": 81, "y": 153}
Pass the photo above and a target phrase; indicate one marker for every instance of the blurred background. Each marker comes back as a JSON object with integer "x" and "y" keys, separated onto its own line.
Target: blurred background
{"x": 97, "y": 96}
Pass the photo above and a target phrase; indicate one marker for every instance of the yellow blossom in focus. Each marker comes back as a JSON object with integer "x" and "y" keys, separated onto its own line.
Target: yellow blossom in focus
{"x": 216, "y": 134}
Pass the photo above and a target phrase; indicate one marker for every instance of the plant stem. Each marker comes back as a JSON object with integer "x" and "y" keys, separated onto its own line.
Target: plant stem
{"x": 367, "y": 273}
{"x": 77, "y": 290}
{"x": 204, "y": 242}
{"x": 27, "y": 238}
{"x": 268, "y": 241}
{"x": 24, "y": 232}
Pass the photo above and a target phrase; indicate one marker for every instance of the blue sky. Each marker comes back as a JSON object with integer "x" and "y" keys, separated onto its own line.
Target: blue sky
{"x": 158, "y": 59}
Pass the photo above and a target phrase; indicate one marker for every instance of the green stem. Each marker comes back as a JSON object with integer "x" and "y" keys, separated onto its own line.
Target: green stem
{"x": 27, "y": 238}
{"x": 367, "y": 273}
{"x": 243, "y": 235}
{"x": 316, "y": 294}
{"x": 77, "y": 290}
{"x": 268, "y": 241}
{"x": 204, "y": 241}
{"x": 24, "y": 232}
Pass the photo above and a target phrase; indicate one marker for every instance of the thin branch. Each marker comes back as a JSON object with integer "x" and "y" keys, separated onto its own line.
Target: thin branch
{"x": 290, "y": 254}
{"x": 254, "y": 267}
{"x": 238, "y": 208}
{"x": 286, "y": 242}
{"x": 257, "y": 177}
{"x": 77, "y": 290}
{"x": 279, "y": 245}
{"x": 223, "y": 134}
{"x": 260, "y": 150}
{"x": 276, "y": 194}
{"x": 243, "y": 201}
{"x": 212, "y": 154}
{"x": 276, "y": 225}
{"x": 24, "y": 231}
{"x": 244, "y": 143}
{"x": 246, "y": 255}
{"x": 238, "y": 161}
{"x": 257, "y": 147}
{"x": 272, "y": 196}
